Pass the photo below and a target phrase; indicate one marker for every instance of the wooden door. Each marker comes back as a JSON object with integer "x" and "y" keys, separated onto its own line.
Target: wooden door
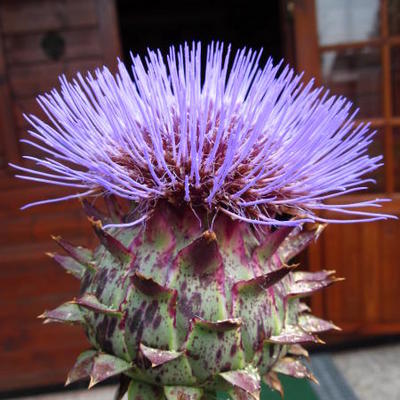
{"x": 353, "y": 48}
{"x": 40, "y": 40}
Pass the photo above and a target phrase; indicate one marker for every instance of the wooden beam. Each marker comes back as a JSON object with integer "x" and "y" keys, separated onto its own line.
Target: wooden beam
{"x": 10, "y": 141}
{"x": 305, "y": 30}
{"x": 109, "y": 32}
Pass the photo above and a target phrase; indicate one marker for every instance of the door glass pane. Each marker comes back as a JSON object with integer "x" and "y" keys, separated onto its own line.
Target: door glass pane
{"x": 343, "y": 21}
{"x": 356, "y": 74}
{"x": 394, "y": 17}
{"x": 395, "y": 69}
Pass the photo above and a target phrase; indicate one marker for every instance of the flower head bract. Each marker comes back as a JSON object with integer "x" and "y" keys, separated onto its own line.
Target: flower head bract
{"x": 251, "y": 141}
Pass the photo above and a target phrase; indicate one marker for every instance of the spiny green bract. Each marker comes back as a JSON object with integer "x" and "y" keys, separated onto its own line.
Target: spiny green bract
{"x": 182, "y": 307}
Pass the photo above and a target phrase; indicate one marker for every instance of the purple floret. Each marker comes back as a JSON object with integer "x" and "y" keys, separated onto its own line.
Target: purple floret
{"x": 251, "y": 141}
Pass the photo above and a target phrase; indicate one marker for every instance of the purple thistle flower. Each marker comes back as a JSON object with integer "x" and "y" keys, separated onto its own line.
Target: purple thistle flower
{"x": 245, "y": 140}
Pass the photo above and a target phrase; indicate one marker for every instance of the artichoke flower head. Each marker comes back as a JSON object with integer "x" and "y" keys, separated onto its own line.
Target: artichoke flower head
{"x": 225, "y": 166}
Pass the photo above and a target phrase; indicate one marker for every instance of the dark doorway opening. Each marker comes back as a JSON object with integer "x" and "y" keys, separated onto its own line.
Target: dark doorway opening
{"x": 159, "y": 24}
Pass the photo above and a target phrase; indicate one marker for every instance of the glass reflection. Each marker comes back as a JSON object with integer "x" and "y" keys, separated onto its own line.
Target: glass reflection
{"x": 343, "y": 21}
{"x": 356, "y": 74}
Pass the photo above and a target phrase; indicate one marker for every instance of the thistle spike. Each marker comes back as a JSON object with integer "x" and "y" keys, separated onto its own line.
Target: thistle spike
{"x": 78, "y": 253}
{"x": 293, "y": 367}
{"x": 90, "y": 302}
{"x": 72, "y": 266}
{"x": 106, "y": 366}
{"x": 263, "y": 281}
{"x": 247, "y": 380}
{"x": 298, "y": 350}
{"x": 271, "y": 243}
{"x": 293, "y": 334}
{"x": 92, "y": 212}
{"x": 272, "y": 380}
{"x": 299, "y": 240}
{"x": 113, "y": 245}
{"x": 67, "y": 313}
{"x": 312, "y": 324}
{"x": 114, "y": 210}
{"x": 306, "y": 283}
{"x": 303, "y": 307}
{"x": 82, "y": 367}
{"x": 158, "y": 357}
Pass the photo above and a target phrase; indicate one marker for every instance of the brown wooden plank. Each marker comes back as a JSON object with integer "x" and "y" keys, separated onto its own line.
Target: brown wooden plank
{"x": 357, "y": 333}
{"x": 35, "y": 354}
{"x": 52, "y": 286}
{"x": 3, "y": 162}
{"x": 29, "y": 192}
{"x": 390, "y": 272}
{"x": 7, "y": 128}
{"x": 38, "y": 355}
{"x": 387, "y": 97}
{"x": 25, "y": 106}
{"x": 26, "y": 49}
{"x": 371, "y": 268}
{"x": 378, "y": 42}
{"x": 314, "y": 261}
{"x": 45, "y": 15}
{"x": 109, "y": 32}
{"x": 32, "y": 354}
{"x": 286, "y": 10}
{"x": 358, "y": 330}
{"x": 27, "y": 81}
{"x": 380, "y": 122}
{"x": 305, "y": 30}
{"x": 344, "y": 300}
{"x": 25, "y": 148}
{"x": 374, "y": 42}
{"x": 390, "y": 207}
{"x": 24, "y": 226}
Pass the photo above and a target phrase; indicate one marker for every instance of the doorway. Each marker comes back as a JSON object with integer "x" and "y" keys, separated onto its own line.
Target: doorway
{"x": 352, "y": 47}
{"x": 160, "y": 24}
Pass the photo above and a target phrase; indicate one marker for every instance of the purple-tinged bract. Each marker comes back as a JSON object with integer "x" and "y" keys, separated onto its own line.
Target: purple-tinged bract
{"x": 251, "y": 141}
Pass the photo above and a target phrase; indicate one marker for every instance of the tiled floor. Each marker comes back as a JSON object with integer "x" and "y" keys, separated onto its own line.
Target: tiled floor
{"x": 373, "y": 374}
{"x": 93, "y": 394}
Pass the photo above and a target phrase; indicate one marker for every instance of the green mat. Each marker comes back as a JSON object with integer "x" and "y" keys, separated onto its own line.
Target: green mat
{"x": 295, "y": 389}
{"x": 333, "y": 385}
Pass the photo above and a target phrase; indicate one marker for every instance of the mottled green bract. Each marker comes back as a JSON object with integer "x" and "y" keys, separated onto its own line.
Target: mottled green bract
{"x": 185, "y": 308}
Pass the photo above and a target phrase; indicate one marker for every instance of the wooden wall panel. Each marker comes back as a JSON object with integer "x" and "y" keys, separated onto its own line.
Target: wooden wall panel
{"x": 33, "y": 354}
{"x": 390, "y": 277}
{"x": 26, "y": 81}
{"x": 23, "y": 49}
{"x": 341, "y": 252}
{"x": 28, "y": 16}
{"x": 367, "y": 255}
